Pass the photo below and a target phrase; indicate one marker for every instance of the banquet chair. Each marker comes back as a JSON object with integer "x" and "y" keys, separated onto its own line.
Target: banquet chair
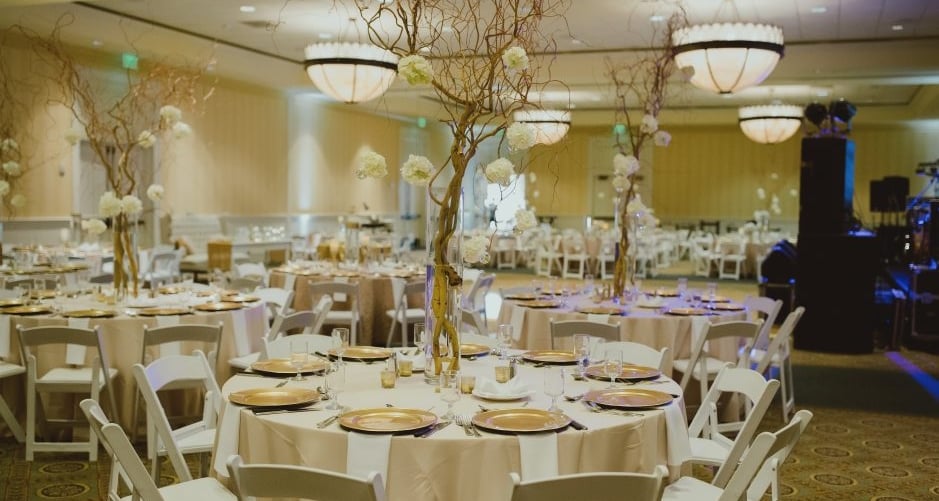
{"x": 161, "y": 341}
{"x": 766, "y": 309}
{"x": 64, "y": 379}
{"x": 475, "y": 299}
{"x": 341, "y": 292}
{"x": 732, "y": 253}
{"x": 767, "y": 478}
{"x": 777, "y": 356}
{"x": 505, "y": 292}
{"x": 9, "y": 370}
{"x": 402, "y": 314}
{"x": 161, "y": 268}
{"x": 284, "y": 481}
{"x": 132, "y": 471}
{"x": 280, "y": 347}
{"x": 573, "y": 260}
{"x": 278, "y": 300}
{"x": 244, "y": 284}
{"x": 594, "y": 486}
{"x": 254, "y": 271}
{"x": 567, "y": 329}
{"x": 548, "y": 257}
{"x": 474, "y": 320}
{"x": 640, "y": 354}
{"x": 709, "y": 446}
{"x": 702, "y": 366}
{"x": 606, "y": 261}
{"x": 506, "y": 253}
{"x": 307, "y": 322}
{"x": 194, "y": 438}
{"x": 470, "y": 337}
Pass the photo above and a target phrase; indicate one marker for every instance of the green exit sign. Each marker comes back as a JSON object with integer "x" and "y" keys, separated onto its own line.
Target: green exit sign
{"x": 129, "y": 61}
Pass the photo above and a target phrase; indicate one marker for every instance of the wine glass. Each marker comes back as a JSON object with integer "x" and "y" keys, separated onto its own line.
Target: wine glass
{"x": 340, "y": 341}
{"x": 505, "y": 339}
{"x": 711, "y": 293}
{"x": 554, "y": 386}
{"x": 596, "y": 349}
{"x": 581, "y": 352}
{"x": 682, "y": 289}
{"x": 449, "y": 390}
{"x": 613, "y": 365}
{"x": 335, "y": 383}
{"x": 420, "y": 336}
{"x": 299, "y": 355}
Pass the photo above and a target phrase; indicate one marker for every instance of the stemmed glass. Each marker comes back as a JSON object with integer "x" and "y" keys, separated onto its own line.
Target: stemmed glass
{"x": 682, "y": 289}
{"x": 340, "y": 341}
{"x": 299, "y": 355}
{"x": 613, "y": 365}
{"x": 505, "y": 339}
{"x": 449, "y": 390}
{"x": 582, "y": 352}
{"x": 711, "y": 293}
{"x": 335, "y": 383}
{"x": 554, "y": 386}
{"x": 420, "y": 336}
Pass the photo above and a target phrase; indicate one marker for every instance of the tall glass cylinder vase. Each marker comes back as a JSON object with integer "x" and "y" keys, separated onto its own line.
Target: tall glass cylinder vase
{"x": 126, "y": 269}
{"x": 444, "y": 280}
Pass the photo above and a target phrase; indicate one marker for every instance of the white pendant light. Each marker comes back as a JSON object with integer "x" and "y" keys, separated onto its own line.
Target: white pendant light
{"x": 350, "y": 72}
{"x": 550, "y": 125}
{"x": 770, "y": 123}
{"x": 728, "y": 57}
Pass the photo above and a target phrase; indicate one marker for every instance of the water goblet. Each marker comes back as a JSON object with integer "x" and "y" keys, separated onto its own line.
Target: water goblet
{"x": 335, "y": 383}
{"x": 613, "y": 365}
{"x": 299, "y": 355}
{"x": 682, "y": 289}
{"x": 449, "y": 390}
{"x": 581, "y": 352}
{"x": 420, "y": 336}
{"x": 711, "y": 293}
{"x": 554, "y": 386}
{"x": 505, "y": 339}
{"x": 340, "y": 337}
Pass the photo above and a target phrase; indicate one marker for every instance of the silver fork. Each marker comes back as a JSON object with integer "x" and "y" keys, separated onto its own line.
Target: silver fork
{"x": 461, "y": 420}
{"x": 467, "y": 423}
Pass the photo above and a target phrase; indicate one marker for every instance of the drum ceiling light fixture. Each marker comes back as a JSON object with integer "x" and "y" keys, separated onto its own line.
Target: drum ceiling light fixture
{"x": 350, "y": 72}
{"x": 550, "y": 125}
{"x": 770, "y": 123}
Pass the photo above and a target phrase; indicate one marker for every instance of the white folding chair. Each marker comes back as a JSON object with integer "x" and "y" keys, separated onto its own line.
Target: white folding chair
{"x": 767, "y": 478}
{"x": 280, "y": 346}
{"x": 475, "y": 299}
{"x": 567, "y": 329}
{"x": 594, "y": 486}
{"x": 244, "y": 284}
{"x": 282, "y": 481}
{"x": 506, "y": 252}
{"x": 640, "y": 354}
{"x": 127, "y": 466}
{"x": 469, "y": 337}
{"x": 309, "y": 322}
{"x": 765, "y": 309}
{"x": 341, "y": 292}
{"x": 162, "y": 268}
{"x": 253, "y": 271}
{"x": 474, "y": 320}
{"x": 777, "y": 356}
{"x": 162, "y": 439}
{"x": 9, "y": 370}
{"x": 403, "y": 314}
{"x": 733, "y": 254}
{"x": 279, "y": 301}
{"x": 692, "y": 489}
{"x": 63, "y": 379}
{"x": 709, "y": 446}
{"x": 702, "y": 366}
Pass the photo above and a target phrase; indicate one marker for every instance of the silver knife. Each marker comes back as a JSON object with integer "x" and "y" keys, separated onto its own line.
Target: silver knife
{"x": 437, "y": 427}
{"x": 328, "y": 421}
{"x": 282, "y": 411}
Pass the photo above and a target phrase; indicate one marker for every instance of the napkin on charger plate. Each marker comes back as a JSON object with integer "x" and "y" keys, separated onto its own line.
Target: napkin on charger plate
{"x": 486, "y": 387}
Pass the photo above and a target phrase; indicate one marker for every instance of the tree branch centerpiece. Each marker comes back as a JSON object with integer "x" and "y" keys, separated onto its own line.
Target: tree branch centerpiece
{"x": 474, "y": 56}
{"x": 640, "y": 87}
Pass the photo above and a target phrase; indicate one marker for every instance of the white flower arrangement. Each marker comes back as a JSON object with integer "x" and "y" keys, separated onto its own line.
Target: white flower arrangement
{"x": 181, "y": 130}
{"x": 9, "y": 145}
{"x": 621, "y": 183}
{"x": 525, "y": 220}
{"x": 18, "y": 200}
{"x": 500, "y": 171}
{"x": 662, "y": 138}
{"x": 761, "y": 193}
{"x": 649, "y": 124}
{"x": 109, "y": 205}
{"x": 416, "y": 70}
{"x": 515, "y": 59}
{"x": 73, "y": 136}
{"x": 146, "y": 139}
{"x": 155, "y": 192}
{"x": 12, "y": 169}
{"x": 476, "y": 249}
{"x": 521, "y": 136}
{"x": 94, "y": 226}
{"x": 131, "y": 205}
{"x": 417, "y": 170}
{"x": 625, "y": 165}
{"x": 170, "y": 114}
{"x": 371, "y": 165}
{"x": 4, "y": 188}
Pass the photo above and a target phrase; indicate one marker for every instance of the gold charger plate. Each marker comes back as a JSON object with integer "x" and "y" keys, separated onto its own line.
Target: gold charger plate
{"x": 283, "y": 367}
{"x": 38, "y": 309}
{"x": 521, "y": 420}
{"x": 160, "y": 312}
{"x": 274, "y": 397}
{"x": 387, "y": 420}
{"x": 628, "y": 373}
{"x": 42, "y": 294}
{"x": 531, "y": 296}
{"x": 540, "y": 303}
{"x": 717, "y": 299}
{"x": 362, "y": 353}
{"x": 6, "y": 303}
{"x": 168, "y": 290}
{"x": 728, "y": 307}
{"x": 347, "y": 274}
{"x": 552, "y": 357}
{"x": 628, "y": 398}
{"x": 687, "y": 311}
{"x": 220, "y": 306}
{"x": 240, "y": 298}
{"x": 90, "y": 314}
{"x": 663, "y": 292}
{"x": 651, "y": 304}
{"x": 600, "y": 310}
{"x": 473, "y": 350}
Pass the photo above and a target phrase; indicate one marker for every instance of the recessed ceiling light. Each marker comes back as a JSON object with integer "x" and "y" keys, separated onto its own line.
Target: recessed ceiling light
{"x": 325, "y": 36}
{"x": 897, "y": 27}
{"x": 822, "y": 93}
{"x": 657, "y": 18}
{"x": 97, "y": 43}
{"x": 576, "y": 41}
{"x": 819, "y": 9}
{"x": 247, "y": 9}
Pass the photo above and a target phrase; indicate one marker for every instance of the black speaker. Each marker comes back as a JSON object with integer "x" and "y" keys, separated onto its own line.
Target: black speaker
{"x": 835, "y": 281}
{"x": 827, "y": 186}
{"x": 896, "y": 189}
{"x": 878, "y": 196}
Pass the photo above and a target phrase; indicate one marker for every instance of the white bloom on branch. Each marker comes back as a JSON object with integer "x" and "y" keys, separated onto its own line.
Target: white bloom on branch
{"x": 621, "y": 183}
{"x": 9, "y": 145}
{"x": 181, "y": 130}
{"x": 532, "y": 177}
{"x": 774, "y": 199}
{"x": 94, "y": 226}
{"x": 649, "y": 124}
{"x": 774, "y": 176}
{"x": 73, "y": 136}
{"x": 416, "y": 69}
{"x": 417, "y": 170}
{"x": 662, "y": 138}
{"x": 521, "y": 136}
{"x": 12, "y": 169}
{"x": 525, "y": 220}
{"x": 155, "y": 192}
{"x": 476, "y": 250}
{"x": 146, "y": 139}
{"x": 776, "y": 210}
{"x": 793, "y": 193}
{"x": 371, "y": 165}
{"x": 625, "y": 165}
{"x": 131, "y": 205}
{"x": 500, "y": 171}
{"x": 761, "y": 193}
{"x": 535, "y": 194}
{"x": 171, "y": 114}
{"x": 515, "y": 59}
{"x": 4, "y": 188}
{"x": 109, "y": 205}
{"x": 18, "y": 200}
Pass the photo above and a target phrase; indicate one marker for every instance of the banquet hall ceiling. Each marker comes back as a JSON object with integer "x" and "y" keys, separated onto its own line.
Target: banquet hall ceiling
{"x": 879, "y": 54}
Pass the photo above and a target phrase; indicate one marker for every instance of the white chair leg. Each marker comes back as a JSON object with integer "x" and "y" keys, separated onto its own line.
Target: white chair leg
{"x": 7, "y": 415}
{"x": 30, "y": 421}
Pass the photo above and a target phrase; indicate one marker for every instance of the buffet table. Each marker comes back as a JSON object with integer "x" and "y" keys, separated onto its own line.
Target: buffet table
{"x": 450, "y": 464}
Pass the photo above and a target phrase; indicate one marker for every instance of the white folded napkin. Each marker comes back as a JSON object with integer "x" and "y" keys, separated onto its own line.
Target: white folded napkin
{"x": 75, "y": 353}
{"x": 513, "y": 388}
{"x": 4, "y": 336}
{"x": 538, "y": 455}
{"x": 240, "y": 332}
{"x": 367, "y": 453}
{"x": 167, "y": 349}
{"x": 678, "y": 445}
{"x": 517, "y": 322}
{"x": 227, "y": 436}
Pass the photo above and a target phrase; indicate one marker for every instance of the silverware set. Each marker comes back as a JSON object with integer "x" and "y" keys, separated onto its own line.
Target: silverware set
{"x": 433, "y": 429}
{"x": 468, "y": 427}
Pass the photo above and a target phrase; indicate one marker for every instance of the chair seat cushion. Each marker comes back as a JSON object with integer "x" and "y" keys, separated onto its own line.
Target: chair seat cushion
{"x": 712, "y": 365}
{"x": 691, "y": 489}
{"x": 707, "y": 451}
{"x": 245, "y": 361}
{"x": 203, "y": 489}
{"x": 7, "y": 369}
{"x": 71, "y": 375}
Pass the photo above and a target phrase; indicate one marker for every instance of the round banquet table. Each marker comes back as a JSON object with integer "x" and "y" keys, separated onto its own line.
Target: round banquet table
{"x": 122, "y": 342}
{"x": 374, "y": 297}
{"x": 448, "y": 465}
